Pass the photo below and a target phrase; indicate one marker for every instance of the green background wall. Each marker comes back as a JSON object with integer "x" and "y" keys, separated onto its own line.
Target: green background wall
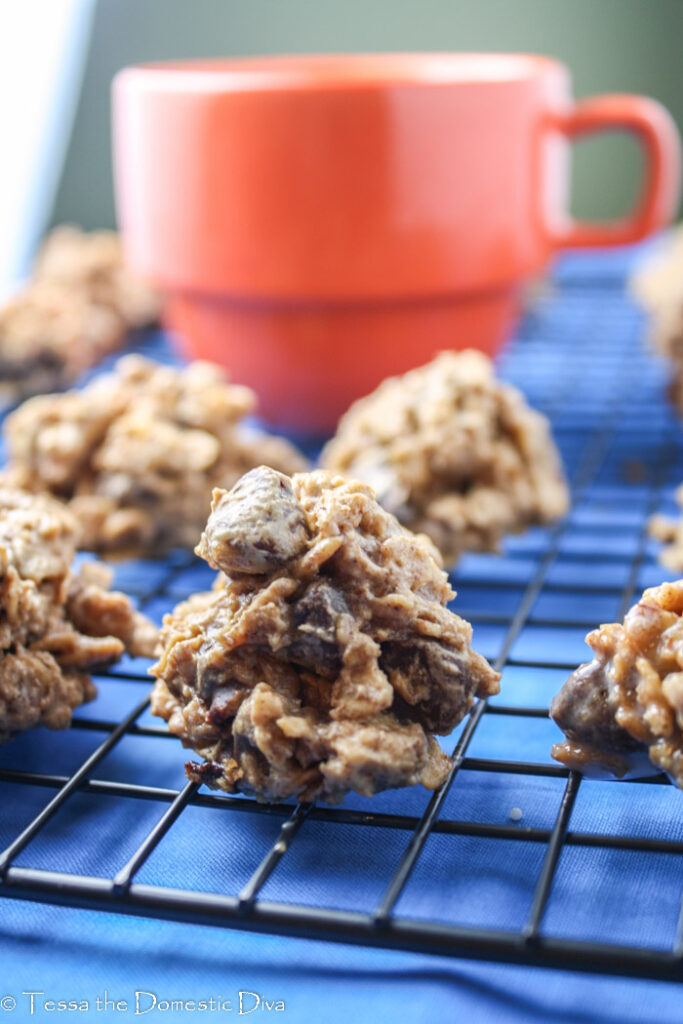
{"x": 610, "y": 45}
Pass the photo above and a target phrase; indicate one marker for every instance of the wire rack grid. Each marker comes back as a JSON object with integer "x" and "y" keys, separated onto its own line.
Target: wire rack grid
{"x": 101, "y": 817}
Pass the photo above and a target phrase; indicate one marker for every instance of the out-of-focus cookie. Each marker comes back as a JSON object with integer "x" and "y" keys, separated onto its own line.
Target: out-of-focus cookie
{"x": 658, "y": 286}
{"x": 137, "y": 453}
{"x": 77, "y": 308}
{"x": 454, "y": 453}
{"x": 93, "y": 262}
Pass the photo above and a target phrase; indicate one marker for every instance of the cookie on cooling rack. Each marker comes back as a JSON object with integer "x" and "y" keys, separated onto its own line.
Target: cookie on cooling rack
{"x": 453, "y": 453}
{"x": 658, "y": 286}
{"x": 137, "y": 453}
{"x": 670, "y": 532}
{"x": 628, "y": 701}
{"x": 78, "y": 307}
{"x": 56, "y": 624}
{"x": 325, "y": 657}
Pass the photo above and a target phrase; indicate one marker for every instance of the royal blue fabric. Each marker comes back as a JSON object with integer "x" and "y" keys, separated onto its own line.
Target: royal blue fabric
{"x": 580, "y": 357}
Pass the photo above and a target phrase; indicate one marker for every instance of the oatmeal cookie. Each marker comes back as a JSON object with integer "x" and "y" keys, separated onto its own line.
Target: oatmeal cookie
{"x": 55, "y": 624}
{"x": 658, "y": 287}
{"x": 453, "y": 453}
{"x": 670, "y": 533}
{"x": 49, "y": 335}
{"x": 93, "y": 263}
{"x": 629, "y": 698}
{"x": 137, "y": 453}
{"x": 325, "y": 657}
{"x": 78, "y": 307}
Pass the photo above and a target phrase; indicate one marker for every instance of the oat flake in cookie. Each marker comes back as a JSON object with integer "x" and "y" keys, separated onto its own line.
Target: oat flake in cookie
{"x": 55, "y": 624}
{"x": 628, "y": 701}
{"x": 453, "y": 453}
{"x": 325, "y": 657}
{"x": 137, "y": 452}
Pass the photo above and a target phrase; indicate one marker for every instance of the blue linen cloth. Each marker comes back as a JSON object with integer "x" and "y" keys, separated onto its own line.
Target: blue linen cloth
{"x": 579, "y": 358}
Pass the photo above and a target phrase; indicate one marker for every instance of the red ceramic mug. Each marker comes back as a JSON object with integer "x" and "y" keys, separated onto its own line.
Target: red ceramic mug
{"x": 317, "y": 223}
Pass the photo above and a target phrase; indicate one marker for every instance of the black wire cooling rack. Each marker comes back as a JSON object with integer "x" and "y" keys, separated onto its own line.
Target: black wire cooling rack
{"x": 580, "y": 357}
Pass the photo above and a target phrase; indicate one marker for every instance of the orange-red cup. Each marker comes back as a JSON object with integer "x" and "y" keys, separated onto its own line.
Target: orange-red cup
{"x": 319, "y": 222}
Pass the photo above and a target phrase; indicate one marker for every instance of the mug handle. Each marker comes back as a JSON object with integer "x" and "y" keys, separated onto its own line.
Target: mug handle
{"x": 656, "y": 130}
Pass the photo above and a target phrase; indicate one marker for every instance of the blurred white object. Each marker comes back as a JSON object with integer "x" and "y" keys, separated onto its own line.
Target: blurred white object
{"x": 43, "y": 46}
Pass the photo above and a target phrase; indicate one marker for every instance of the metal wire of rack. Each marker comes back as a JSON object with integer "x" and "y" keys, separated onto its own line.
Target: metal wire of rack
{"x": 580, "y": 358}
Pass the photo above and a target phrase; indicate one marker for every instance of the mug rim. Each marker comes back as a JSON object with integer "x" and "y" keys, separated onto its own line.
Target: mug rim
{"x": 339, "y": 71}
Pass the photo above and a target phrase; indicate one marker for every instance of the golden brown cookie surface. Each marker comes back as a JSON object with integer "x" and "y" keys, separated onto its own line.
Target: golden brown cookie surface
{"x": 629, "y": 698}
